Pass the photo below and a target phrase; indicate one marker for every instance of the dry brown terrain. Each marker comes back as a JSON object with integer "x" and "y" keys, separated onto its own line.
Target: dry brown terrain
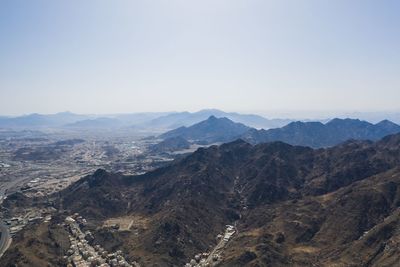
{"x": 291, "y": 206}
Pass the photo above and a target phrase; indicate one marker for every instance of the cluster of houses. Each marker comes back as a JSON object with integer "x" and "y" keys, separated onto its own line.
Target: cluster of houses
{"x": 199, "y": 260}
{"x": 16, "y": 224}
{"x": 211, "y": 259}
{"x": 82, "y": 254}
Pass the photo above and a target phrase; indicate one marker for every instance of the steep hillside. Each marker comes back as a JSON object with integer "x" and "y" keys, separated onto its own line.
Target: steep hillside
{"x": 290, "y": 206}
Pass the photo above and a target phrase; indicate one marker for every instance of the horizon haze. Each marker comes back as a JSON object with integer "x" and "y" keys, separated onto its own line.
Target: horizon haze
{"x": 245, "y": 56}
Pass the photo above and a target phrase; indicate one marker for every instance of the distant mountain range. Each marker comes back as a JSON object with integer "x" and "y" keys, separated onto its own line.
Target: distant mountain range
{"x": 39, "y": 120}
{"x": 312, "y": 134}
{"x": 180, "y": 119}
{"x": 157, "y": 121}
{"x": 70, "y": 120}
{"x": 374, "y": 117}
{"x": 97, "y": 123}
{"x": 197, "y": 127}
{"x": 317, "y": 134}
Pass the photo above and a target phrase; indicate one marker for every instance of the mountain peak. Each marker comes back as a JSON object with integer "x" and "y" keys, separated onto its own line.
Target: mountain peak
{"x": 210, "y": 131}
{"x": 386, "y": 123}
{"x": 212, "y": 117}
{"x": 347, "y": 121}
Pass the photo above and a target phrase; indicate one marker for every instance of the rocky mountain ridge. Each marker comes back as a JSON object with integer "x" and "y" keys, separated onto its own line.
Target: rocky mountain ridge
{"x": 290, "y": 205}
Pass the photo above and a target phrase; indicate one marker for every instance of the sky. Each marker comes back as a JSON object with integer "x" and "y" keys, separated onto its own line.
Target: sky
{"x": 122, "y": 56}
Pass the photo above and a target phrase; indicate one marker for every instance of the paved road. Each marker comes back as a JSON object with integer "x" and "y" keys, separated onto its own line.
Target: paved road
{"x": 5, "y": 239}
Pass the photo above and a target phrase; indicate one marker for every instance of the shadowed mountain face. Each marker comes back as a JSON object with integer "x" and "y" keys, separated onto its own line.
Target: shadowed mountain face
{"x": 316, "y": 134}
{"x": 293, "y": 206}
{"x": 209, "y": 131}
{"x": 169, "y": 145}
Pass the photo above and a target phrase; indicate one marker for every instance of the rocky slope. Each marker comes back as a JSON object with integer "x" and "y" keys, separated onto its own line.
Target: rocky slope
{"x": 290, "y": 205}
{"x": 169, "y": 145}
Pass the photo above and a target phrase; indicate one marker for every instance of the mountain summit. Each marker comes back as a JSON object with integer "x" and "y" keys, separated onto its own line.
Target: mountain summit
{"x": 209, "y": 131}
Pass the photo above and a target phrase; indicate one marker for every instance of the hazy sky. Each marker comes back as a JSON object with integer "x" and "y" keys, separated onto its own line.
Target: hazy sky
{"x": 152, "y": 55}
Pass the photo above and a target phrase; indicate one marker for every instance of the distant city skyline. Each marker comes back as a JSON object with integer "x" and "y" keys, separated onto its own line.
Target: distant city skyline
{"x": 262, "y": 57}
